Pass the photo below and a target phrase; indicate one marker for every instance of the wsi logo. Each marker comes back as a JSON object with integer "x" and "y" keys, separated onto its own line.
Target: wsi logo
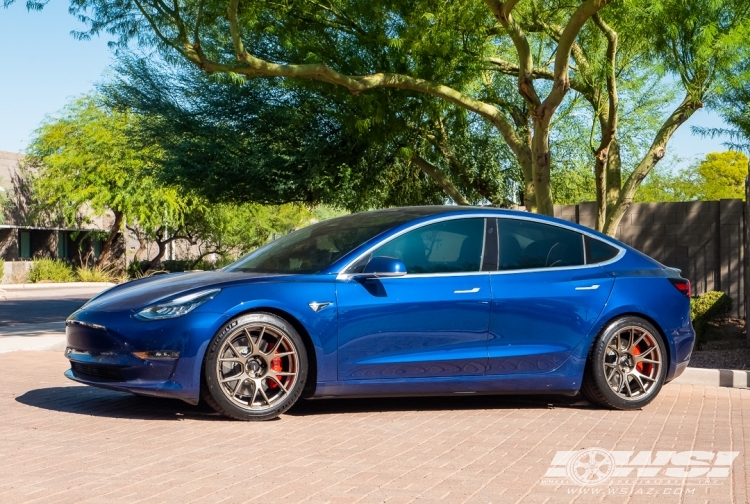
{"x": 596, "y": 466}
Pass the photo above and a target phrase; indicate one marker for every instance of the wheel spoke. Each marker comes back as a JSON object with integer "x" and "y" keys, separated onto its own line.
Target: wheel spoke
{"x": 233, "y": 359}
{"x": 646, "y": 352}
{"x": 630, "y": 339}
{"x": 645, "y": 377}
{"x": 278, "y": 382}
{"x": 263, "y": 393}
{"x": 640, "y": 383}
{"x": 238, "y": 376}
{"x": 275, "y": 346}
{"x": 627, "y": 385}
{"x": 237, "y": 387}
{"x": 236, "y": 351}
{"x": 649, "y": 361}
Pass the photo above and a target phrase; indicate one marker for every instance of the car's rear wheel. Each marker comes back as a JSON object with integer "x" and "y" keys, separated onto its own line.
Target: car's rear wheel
{"x": 255, "y": 368}
{"x": 627, "y": 365}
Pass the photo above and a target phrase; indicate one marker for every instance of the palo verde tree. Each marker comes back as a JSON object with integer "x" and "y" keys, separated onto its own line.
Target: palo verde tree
{"x": 421, "y": 47}
{"x": 626, "y": 71}
{"x": 289, "y": 142}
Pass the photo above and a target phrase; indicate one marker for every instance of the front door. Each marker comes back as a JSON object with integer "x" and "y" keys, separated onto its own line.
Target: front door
{"x": 433, "y": 322}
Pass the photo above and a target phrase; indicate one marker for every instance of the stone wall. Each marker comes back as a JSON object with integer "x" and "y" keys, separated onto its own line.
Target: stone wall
{"x": 702, "y": 238}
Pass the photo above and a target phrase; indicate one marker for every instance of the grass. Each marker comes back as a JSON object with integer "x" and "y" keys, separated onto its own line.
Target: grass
{"x": 94, "y": 274}
{"x": 50, "y": 270}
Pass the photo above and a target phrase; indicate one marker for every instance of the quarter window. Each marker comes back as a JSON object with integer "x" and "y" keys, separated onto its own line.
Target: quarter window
{"x": 451, "y": 246}
{"x": 597, "y": 251}
{"x": 527, "y": 244}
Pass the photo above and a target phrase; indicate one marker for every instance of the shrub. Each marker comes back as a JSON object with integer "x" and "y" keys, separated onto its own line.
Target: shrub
{"x": 50, "y": 270}
{"x": 711, "y": 305}
{"x": 86, "y": 274}
{"x": 707, "y": 307}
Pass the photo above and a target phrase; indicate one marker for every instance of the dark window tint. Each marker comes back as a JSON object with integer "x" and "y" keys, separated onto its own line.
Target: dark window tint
{"x": 526, "y": 244}
{"x": 445, "y": 247}
{"x": 597, "y": 251}
{"x": 316, "y": 247}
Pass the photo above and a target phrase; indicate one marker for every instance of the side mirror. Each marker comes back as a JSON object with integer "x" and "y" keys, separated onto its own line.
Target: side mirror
{"x": 379, "y": 267}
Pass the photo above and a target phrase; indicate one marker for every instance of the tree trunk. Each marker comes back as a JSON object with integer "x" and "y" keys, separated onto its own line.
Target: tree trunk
{"x": 747, "y": 252}
{"x": 655, "y": 153}
{"x": 541, "y": 166}
{"x": 614, "y": 176}
{"x": 105, "y": 260}
{"x": 153, "y": 263}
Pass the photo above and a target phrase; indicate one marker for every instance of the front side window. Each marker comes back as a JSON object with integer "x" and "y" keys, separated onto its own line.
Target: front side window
{"x": 529, "y": 245}
{"x": 452, "y": 246}
{"x": 314, "y": 248}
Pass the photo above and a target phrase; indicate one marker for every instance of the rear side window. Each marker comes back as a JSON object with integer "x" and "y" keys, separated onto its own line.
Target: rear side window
{"x": 597, "y": 251}
{"x": 526, "y": 244}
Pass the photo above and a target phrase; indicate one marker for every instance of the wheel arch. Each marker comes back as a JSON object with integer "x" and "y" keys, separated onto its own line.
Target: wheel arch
{"x": 312, "y": 364}
{"x": 632, "y": 313}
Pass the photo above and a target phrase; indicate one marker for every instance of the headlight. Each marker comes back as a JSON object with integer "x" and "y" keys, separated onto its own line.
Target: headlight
{"x": 177, "y": 307}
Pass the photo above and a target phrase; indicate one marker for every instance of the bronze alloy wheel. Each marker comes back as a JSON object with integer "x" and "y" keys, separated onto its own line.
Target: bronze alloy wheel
{"x": 627, "y": 365}
{"x": 255, "y": 368}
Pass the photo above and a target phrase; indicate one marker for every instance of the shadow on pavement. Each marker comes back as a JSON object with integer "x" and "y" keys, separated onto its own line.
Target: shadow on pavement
{"x": 37, "y": 311}
{"x": 106, "y": 403}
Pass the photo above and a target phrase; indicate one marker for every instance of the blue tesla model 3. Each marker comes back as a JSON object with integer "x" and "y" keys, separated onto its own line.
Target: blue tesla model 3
{"x": 405, "y": 301}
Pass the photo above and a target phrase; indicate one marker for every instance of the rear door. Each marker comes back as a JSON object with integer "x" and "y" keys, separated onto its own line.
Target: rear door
{"x": 546, "y": 298}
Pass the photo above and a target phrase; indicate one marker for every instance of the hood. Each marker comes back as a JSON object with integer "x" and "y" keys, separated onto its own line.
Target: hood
{"x": 138, "y": 294}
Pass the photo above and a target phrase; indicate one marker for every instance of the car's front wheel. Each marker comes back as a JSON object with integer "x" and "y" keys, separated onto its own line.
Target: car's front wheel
{"x": 255, "y": 368}
{"x": 627, "y": 365}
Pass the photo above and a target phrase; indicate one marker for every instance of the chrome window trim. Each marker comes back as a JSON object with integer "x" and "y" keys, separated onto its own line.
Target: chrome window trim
{"x": 347, "y": 276}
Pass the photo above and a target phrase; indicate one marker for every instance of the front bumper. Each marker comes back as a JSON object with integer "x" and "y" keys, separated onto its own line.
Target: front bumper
{"x": 101, "y": 346}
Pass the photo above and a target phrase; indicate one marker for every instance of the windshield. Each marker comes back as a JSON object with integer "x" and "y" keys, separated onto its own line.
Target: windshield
{"x": 314, "y": 248}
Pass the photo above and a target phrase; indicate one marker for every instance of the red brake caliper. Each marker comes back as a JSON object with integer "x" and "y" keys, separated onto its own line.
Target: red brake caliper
{"x": 275, "y": 366}
{"x": 639, "y": 366}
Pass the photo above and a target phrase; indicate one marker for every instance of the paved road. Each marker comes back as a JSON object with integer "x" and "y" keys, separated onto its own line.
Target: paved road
{"x": 61, "y": 442}
{"x": 15, "y": 312}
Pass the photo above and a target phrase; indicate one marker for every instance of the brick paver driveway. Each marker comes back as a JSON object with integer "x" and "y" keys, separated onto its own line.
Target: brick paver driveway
{"x": 68, "y": 443}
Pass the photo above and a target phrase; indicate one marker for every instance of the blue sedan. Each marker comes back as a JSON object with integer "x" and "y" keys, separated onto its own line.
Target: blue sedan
{"x": 406, "y": 301}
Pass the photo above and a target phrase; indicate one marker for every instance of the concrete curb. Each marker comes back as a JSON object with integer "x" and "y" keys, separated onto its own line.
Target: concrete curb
{"x": 42, "y": 286}
{"x": 714, "y": 378}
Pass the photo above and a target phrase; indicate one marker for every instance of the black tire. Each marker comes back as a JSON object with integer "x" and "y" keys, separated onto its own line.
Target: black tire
{"x": 242, "y": 345}
{"x": 608, "y": 369}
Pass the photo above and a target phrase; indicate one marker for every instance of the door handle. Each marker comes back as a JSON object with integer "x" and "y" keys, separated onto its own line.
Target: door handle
{"x": 590, "y": 287}
{"x": 467, "y": 291}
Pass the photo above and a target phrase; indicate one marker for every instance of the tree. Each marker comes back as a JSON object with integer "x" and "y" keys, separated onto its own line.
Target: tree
{"x": 83, "y": 161}
{"x": 427, "y": 49}
{"x": 721, "y": 175}
{"x": 257, "y": 141}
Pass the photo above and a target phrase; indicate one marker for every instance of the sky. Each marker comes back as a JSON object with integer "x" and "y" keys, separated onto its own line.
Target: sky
{"x": 43, "y": 67}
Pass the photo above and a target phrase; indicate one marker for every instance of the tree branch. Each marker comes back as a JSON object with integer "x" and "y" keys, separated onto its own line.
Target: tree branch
{"x": 654, "y": 154}
{"x": 440, "y": 179}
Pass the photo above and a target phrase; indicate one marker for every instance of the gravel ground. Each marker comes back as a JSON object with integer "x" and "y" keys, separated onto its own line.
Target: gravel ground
{"x": 727, "y": 347}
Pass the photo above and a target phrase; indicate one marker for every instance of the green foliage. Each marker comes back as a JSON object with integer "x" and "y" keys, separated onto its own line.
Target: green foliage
{"x": 50, "y": 270}
{"x": 573, "y": 186}
{"x": 2, "y": 268}
{"x": 705, "y": 308}
{"x": 721, "y": 175}
{"x": 93, "y": 274}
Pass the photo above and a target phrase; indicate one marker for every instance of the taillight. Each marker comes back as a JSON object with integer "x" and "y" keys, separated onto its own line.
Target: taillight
{"x": 682, "y": 285}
